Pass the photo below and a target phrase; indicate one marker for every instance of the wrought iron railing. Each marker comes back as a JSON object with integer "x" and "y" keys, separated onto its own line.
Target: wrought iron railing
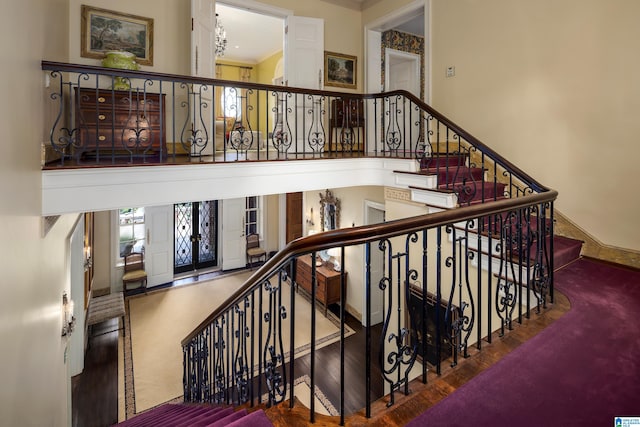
{"x": 440, "y": 266}
{"x": 173, "y": 119}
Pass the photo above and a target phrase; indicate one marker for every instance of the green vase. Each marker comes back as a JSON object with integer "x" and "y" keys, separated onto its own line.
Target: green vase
{"x": 123, "y": 61}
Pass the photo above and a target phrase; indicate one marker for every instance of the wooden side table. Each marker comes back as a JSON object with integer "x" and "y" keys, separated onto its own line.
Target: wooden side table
{"x": 327, "y": 281}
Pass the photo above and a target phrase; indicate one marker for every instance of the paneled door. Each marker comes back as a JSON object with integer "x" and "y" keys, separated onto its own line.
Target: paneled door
{"x": 294, "y": 216}
{"x": 196, "y": 237}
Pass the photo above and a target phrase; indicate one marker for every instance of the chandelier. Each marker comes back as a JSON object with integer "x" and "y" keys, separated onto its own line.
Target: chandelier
{"x": 221, "y": 38}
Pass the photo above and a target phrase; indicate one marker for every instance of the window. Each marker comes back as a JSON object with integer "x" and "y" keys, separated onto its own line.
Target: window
{"x": 232, "y": 103}
{"x": 131, "y": 231}
{"x": 253, "y": 217}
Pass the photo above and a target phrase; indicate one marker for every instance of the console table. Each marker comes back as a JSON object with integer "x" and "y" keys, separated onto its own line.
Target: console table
{"x": 327, "y": 281}
{"x": 120, "y": 122}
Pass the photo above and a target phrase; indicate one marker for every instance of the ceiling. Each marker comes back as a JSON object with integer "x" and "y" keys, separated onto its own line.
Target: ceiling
{"x": 245, "y": 44}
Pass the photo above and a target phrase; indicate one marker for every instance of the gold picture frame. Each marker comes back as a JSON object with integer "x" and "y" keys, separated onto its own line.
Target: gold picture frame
{"x": 340, "y": 70}
{"x": 106, "y": 30}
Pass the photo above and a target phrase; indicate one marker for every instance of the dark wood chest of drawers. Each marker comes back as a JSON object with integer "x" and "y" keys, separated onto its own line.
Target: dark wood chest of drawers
{"x": 327, "y": 281}
{"x": 120, "y": 122}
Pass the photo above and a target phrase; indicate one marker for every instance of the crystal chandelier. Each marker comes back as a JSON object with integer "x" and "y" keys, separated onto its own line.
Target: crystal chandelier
{"x": 221, "y": 38}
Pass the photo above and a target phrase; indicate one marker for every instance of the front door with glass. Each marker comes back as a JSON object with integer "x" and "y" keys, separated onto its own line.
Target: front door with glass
{"x": 195, "y": 233}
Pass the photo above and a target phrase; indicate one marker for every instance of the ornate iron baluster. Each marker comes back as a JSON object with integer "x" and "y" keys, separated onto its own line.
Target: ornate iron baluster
{"x": 273, "y": 352}
{"x": 219, "y": 366}
{"x": 393, "y": 135}
{"x": 316, "y": 136}
{"x": 68, "y": 137}
{"x": 456, "y": 317}
{"x": 241, "y": 135}
{"x": 282, "y": 135}
{"x": 241, "y": 370}
{"x": 506, "y": 289}
{"x": 404, "y": 341}
{"x": 195, "y": 135}
{"x": 540, "y": 278}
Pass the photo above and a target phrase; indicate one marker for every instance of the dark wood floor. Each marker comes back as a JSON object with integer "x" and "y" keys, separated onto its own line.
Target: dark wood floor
{"x": 95, "y": 390}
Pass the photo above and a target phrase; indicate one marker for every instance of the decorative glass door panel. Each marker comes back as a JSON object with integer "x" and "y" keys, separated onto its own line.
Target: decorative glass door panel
{"x": 196, "y": 243}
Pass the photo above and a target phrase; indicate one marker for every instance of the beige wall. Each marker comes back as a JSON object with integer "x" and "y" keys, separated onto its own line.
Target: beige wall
{"x": 35, "y": 383}
{"x": 558, "y": 88}
{"x": 171, "y": 24}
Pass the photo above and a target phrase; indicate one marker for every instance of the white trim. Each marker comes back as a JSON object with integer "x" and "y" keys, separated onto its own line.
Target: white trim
{"x": 393, "y": 18}
{"x": 99, "y": 189}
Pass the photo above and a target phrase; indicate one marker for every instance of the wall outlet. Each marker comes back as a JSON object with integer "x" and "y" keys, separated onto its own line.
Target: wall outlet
{"x": 451, "y": 71}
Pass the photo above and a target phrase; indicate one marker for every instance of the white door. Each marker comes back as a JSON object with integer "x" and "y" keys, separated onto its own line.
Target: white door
{"x": 304, "y": 52}
{"x": 203, "y": 20}
{"x": 158, "y": 255}
{"x": 403, "y": 73}
{"x": 304, "y": 68}
{"x": 374, "y": 214}
{"x": 202, "y": 38}
{"x": 233, "y": 238}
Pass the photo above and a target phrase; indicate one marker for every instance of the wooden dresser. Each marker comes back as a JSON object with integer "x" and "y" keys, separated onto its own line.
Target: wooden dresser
{"x": 120, "y": 123}
{"x": 327, "y": 279}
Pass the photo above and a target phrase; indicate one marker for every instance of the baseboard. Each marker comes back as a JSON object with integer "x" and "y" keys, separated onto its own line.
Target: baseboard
{"x": 592, "y": 247}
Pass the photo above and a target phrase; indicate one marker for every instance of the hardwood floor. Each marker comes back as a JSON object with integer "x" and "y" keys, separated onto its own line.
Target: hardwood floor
{"x": 95, "y": 390}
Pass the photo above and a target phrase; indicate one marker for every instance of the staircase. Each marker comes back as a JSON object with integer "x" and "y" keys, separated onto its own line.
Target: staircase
{"x": 192, "y": 415}
{"x": 450, "y": 180}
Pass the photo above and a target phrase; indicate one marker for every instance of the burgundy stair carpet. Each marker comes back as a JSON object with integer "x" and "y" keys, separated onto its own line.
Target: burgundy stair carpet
{"x": 565, "y": 250}
{"x": 190, "y": 415}
{"x": 582, "y": 370}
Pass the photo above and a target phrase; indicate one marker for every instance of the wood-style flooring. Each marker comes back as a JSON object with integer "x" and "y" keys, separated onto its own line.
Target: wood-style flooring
{"x": 95, "y": 391}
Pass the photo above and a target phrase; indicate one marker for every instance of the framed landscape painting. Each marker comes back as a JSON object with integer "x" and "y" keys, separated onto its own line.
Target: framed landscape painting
{"x": 340, "y": 70}
{"x": 105, "y": 30}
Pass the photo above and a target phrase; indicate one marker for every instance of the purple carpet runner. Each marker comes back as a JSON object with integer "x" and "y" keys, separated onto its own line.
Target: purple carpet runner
{"x": 185, "y": 415}
{"x": 582, "y": 370}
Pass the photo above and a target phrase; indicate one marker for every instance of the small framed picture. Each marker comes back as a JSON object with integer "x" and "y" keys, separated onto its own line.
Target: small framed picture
{"x": 340, "y": 70}
{"x": 105, "y": 30}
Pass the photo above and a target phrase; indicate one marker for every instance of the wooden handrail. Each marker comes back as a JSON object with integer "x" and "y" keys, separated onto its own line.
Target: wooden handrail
{"x": 369, "y": 233}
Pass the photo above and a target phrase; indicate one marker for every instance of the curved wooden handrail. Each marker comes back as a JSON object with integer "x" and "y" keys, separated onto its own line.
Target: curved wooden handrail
{"x": 363, "y": 234}
{"x": 535, "y": 185}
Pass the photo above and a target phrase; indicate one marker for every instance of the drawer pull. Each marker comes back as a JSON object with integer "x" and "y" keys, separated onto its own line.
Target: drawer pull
{"x": 101, "y": 99}
{"x": 102, "y": 138}
{"x": 142, "y": 102}
{"x": 102, "y": 117}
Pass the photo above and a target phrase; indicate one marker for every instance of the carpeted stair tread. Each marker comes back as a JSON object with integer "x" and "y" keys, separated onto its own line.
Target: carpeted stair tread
{"x": 454, "y": 174}
{"x": 213, "y": 414}
{"x": 212, "y": 418}
{"x": 565, "y": 251}
{"x": 177, "y": 417}
{"x": 235, "y": 416}
{"x": 440, "y": 160}
{"x": 473, "y": 191}
{"x": 154, "y": 416}
{"x": 195, "y": 415}
{"x": 254, "y": 419}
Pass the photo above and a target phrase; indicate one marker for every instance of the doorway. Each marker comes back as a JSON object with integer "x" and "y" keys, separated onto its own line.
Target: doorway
{"x": 195, "y": 234}
{"x": 374, "y": 213}
{"x": 411, "y": 19}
